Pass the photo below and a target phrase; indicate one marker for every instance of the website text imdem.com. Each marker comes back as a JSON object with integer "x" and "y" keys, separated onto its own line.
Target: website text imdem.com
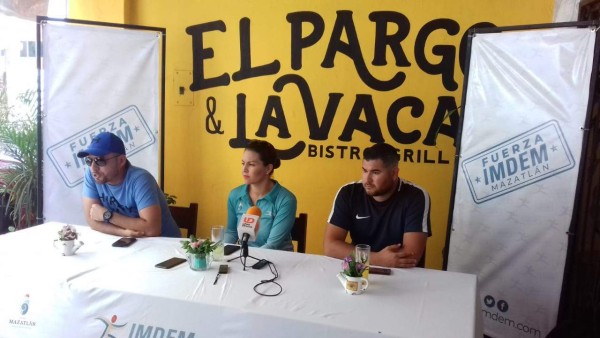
{"x": 509, "y": 322}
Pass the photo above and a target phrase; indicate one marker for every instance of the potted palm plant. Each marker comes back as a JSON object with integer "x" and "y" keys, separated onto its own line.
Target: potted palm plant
{"x": 19, "y": 179}
{"x": 5, "y": 221}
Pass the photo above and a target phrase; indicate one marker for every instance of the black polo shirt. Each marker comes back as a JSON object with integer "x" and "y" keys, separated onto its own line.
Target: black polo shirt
{"x": 380, "y": 224}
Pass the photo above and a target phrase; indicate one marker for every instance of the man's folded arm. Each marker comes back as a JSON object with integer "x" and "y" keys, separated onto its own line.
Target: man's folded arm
{"x": 335, "y": 244}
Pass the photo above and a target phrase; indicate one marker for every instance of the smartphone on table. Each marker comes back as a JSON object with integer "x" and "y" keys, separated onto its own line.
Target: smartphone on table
{"x": 223, "y": 269}
{"x": 124, "y": 242}
{"x": 171, "y": 262}
{"x": 230, "y": 248}
{"x": 379, "y": 271}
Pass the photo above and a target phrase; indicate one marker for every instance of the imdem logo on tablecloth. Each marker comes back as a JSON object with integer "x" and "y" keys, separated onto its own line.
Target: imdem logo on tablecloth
{"x": 136, "y": 330}
{"x": 128, "y": 124}
{"x": 535, "y": 155}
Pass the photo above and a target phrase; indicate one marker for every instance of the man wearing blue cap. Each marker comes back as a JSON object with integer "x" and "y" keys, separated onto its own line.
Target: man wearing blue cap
{"x": 119, "y": 198}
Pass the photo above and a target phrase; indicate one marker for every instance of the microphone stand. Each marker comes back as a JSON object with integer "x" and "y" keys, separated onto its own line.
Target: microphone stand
{"x": 244, "y": 248}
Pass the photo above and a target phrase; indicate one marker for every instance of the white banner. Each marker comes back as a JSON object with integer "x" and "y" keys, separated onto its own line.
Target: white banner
{"x": 95, "y": 79}
{"x": 526, "y": 103}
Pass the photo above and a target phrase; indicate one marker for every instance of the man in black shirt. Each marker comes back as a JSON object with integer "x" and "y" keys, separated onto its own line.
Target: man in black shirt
{"x": 382, "y": 210}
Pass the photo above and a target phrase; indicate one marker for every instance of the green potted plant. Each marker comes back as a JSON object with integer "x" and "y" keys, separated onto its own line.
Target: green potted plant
{"x": 199, "y": 252}
{"x": 351, "y": 276}
{"x": 19, "y": 181}
{"x": 351, "y": 267}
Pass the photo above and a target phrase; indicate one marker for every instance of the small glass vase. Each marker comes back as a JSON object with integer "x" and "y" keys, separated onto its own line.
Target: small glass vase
{"x": 199, "y": 262}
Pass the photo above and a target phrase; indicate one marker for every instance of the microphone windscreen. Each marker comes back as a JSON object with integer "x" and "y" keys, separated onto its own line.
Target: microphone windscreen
{"x": 254, "y": 210}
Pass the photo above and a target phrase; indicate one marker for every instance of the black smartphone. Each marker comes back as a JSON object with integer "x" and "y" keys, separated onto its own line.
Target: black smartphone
{"x": 223, "y": 269}
{"x": 379, "y": 271}
{"x": 230, "y": 248}
{"x": 124, "y": 242}
{"x": 171, "y": 262}
{"x": 260, "y": 264}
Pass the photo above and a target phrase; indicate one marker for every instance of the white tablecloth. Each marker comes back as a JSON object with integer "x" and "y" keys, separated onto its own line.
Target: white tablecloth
{"x": 104, "y": 291}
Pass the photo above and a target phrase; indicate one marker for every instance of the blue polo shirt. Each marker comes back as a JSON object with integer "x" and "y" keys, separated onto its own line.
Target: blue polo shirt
{"x": 278, "y": 209}
{"x": 138, "y": 190}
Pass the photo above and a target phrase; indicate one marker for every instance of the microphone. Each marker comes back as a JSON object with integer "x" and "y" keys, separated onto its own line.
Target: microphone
{"x": 249, "y": 224}
{"x": 248, "y": 227}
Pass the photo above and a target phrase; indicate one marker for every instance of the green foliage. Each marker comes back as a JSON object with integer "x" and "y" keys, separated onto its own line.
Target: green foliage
{"x": 4, "y": 107}
{"x": 19, "y": 140}
{"x": 447, "y": 116}
{"x": 198, "y": 246}
{"x": 171, "y": 199}
{"x": 352, "y": 268}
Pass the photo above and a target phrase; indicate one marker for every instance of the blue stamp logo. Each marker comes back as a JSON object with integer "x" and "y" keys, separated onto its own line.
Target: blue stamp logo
{"x": 128, "y": 124}
{"x": 535, "y": 155}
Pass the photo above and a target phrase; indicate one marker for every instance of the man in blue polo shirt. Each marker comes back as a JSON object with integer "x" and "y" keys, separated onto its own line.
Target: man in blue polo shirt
{"x": 383, "y": 210}
{"x": 119, "y": 198}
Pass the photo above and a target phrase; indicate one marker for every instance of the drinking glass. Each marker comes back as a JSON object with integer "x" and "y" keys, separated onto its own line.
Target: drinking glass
{"x": 217, "y": 234}
{"x": 362, "y": 254}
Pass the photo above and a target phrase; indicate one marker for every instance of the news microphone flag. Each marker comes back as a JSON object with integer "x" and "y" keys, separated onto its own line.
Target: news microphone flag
{"x": 249, "y": 224}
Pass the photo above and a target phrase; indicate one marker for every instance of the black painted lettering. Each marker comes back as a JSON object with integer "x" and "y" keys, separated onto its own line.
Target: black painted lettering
{"x": 329, "y": 152}
{"x": 316, "y": 131}
{"x": 393, "y": 41}
{"x": 312, "y": 150}
{"x": 298, "y": 41}
{"x": 246, "y": 70}
{"x": 416, "y": 110}
{"x": 408, "y": 155}
{"x": 446, "y": 109}
{"x": 342, "y": 149}
{"x": 370, "y": 126}
{"x": 355, "y": 153}
{"x": 240, "y": 140}
{"x": 344, "y": 22}
{"x": 199, "y": 54}
{"x": 448, "y": 52}
{"x": 278, "y": 120}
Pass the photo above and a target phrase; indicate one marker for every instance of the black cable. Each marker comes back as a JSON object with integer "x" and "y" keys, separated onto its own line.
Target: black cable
{"x": 267, "y": 281}
{"x": 242, "y": 259}
{"x": 264, "y": 281}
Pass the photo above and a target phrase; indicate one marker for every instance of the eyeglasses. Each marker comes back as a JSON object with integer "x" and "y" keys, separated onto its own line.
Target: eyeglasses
{"x": 101, "y": 162}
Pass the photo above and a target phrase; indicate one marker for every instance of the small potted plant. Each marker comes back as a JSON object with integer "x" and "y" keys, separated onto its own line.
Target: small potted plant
{"x": 199, "y": 252}
{"x": 351, "y": 276}
{"x": 352, "y": 268}
{"x": 67, "y": 240}
{"x": 67, "y": 233}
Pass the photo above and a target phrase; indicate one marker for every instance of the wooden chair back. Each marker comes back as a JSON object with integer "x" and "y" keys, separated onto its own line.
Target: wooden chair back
{"x": 186, "y": 217}
{"x": 299, "y": 232}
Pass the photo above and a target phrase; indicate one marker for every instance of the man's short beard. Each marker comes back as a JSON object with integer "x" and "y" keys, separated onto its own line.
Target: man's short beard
{"x": 378, "y": 192}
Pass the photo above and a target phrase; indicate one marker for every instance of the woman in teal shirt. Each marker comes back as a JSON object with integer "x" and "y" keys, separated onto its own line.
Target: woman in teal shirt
{"x": 277, "y": 204}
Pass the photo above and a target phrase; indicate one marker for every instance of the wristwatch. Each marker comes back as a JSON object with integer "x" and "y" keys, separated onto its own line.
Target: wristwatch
{"x": 107, "y": 216}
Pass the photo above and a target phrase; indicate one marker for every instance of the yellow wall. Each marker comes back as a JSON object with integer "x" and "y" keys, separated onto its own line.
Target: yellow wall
{"x": 201, "y": 166}
{"x": 97, "y": 10}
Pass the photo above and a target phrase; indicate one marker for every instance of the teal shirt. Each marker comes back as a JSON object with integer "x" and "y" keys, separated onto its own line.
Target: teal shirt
{"x": 278, "y": 209}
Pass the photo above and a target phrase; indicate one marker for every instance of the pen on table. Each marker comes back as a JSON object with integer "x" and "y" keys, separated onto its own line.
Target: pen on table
{"x": 216, "y": 278}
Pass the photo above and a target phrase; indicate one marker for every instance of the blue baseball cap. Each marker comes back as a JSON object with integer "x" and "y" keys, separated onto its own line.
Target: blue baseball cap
{"x": 103, "y": 144}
